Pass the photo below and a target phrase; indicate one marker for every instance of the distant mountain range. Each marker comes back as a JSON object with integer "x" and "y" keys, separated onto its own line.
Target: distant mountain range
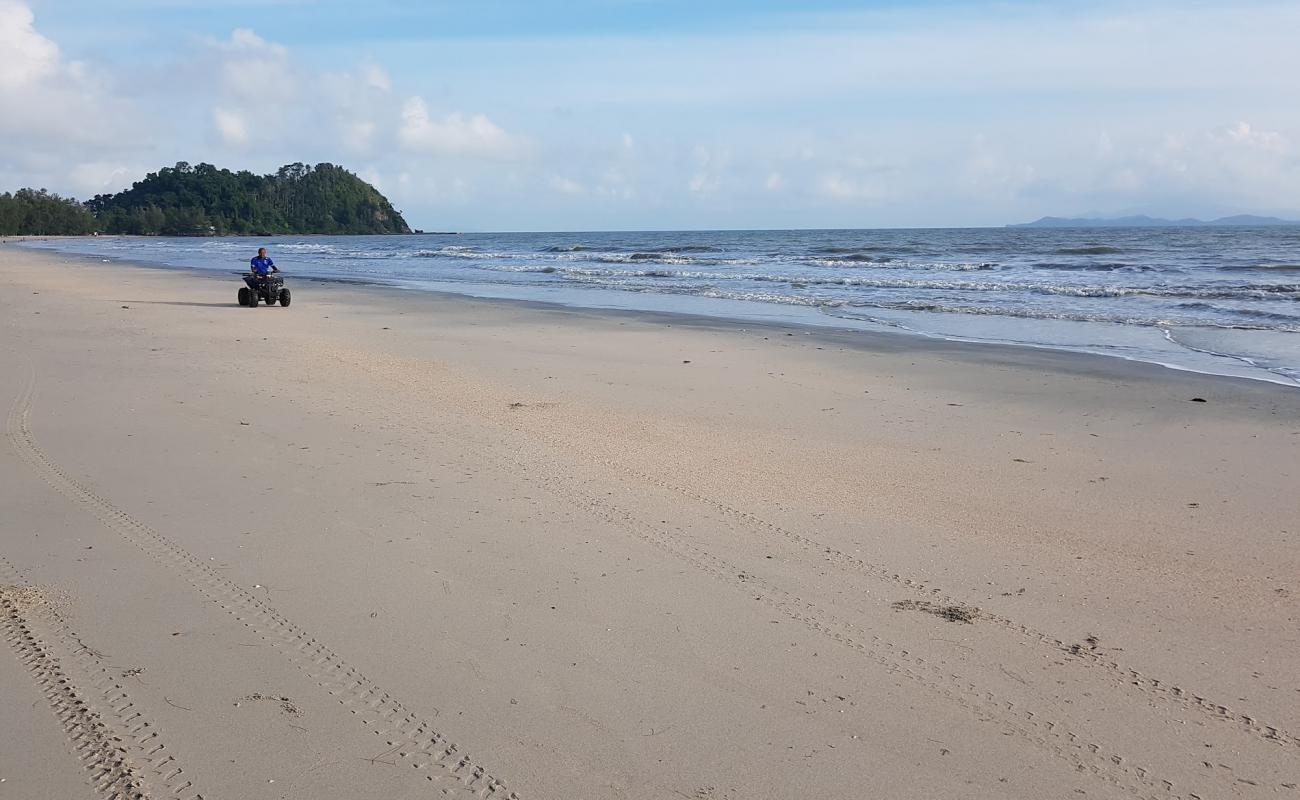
{"x": 1143, "y": 221}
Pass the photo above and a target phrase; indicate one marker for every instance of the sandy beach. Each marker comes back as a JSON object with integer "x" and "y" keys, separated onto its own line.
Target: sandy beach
{"x": 395, "y": 545}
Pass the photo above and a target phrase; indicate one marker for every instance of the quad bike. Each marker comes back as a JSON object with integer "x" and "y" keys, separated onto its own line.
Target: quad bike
{"x": 268, "y": 288}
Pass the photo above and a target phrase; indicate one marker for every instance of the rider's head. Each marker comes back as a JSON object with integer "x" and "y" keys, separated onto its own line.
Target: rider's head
{"x": 261, "y": 252}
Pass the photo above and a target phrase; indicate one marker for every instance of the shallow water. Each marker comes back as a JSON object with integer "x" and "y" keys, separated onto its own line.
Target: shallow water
{"x": 1218, "y": 300}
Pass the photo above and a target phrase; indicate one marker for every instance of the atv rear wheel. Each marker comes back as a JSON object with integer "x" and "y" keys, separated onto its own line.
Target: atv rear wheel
{"x": 244, "y": 295}
{"x": 284, "y": 297}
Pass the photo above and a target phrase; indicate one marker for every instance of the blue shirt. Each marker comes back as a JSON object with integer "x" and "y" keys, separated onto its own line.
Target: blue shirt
{"x": 261, "y": 265}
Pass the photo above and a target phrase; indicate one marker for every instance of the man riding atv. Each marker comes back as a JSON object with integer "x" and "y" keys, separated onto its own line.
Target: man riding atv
{"x": 263, "y": 284}
{"x": 261, "y": 265}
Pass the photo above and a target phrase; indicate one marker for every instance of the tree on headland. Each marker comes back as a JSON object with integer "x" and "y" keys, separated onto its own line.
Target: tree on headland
{"x": 202, "y": 200}
{"x": 36, "y": 212}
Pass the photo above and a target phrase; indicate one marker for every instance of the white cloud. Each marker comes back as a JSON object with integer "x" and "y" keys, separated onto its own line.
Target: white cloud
{"x": 231, "y": 126}
{"x": 267, "y": 102}
{"x": 362, "y": 105}
{"x": 56, "y": 117}
{"x": 565, "y": 185}
{"x": 371, "y": 176}
{"x": 843, "y": 188}
{"x": 99, "y": 177}
{"x": 1105, "y": 147}
{"x": 709, "y": 167}
{"x": 1244, "y": 133}
{"x": 359, "y": 135}
{"x": 256, "y": 71}
{"x": 454, "y": 135}
{"x": 376, "y": 78}
{"x": 993, "y": 169}
{"x": 28, "y": 56}
{"x": 1125, "y": 181}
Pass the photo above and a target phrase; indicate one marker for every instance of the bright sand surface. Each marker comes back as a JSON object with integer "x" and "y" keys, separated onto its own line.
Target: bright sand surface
{"x": 394, "y": 545}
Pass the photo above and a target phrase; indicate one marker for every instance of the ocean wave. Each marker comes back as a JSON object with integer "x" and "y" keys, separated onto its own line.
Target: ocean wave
{"x": 800, "y": 281}
{"x": 608, "y": 272}
{"x": 1212, "y": 292}
{"x": 1076, "y": 266}
{"x": 636, "y": 269}
{"x": 770, "y": 297}
{"x": 217, "y": 245}
{"x": 854, "y": 258}
{"x": 687, "y": 248}
{"x": 892, "y": 263}
{"x": 1064, "y": 315}
{"x": 456, "y": 252}
{"x": 863, "y": 249}
{"x": 665, "y": 250}
{"x": 584, "y": 253}
{"x": 1252, "y": 313}
{"x": 665, "y": 258}
{"x": 308, "y": 247}
{"x": 641, "y": 258}
{"x": 1266, "y": 291}
{"x": 1250, "y": 292}
{"x": 834, "y": 250}
{"x": 1276, "y": 267}
{"x": 845, "y": 307}
{"x": 1088, "y": 250}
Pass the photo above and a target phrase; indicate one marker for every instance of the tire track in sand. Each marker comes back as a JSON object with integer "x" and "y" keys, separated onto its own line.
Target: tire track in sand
{"x": 1118, "y": 674}
{"x": 496, "y": 411}
{"x": 1051, "y": 736}
{"x": 414, "y": 741}
{"x": 121, "y": 749}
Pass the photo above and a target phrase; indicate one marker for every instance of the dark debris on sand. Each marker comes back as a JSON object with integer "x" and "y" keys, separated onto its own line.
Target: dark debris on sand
{"x": 950, "y": 613}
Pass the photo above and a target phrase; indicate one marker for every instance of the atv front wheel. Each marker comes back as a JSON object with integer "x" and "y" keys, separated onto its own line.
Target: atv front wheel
{"x": 284, "y": 297}
{"x": 244, "y": 296}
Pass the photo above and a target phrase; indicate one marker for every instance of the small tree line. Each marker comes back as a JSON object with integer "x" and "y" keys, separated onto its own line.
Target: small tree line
{"x": 36, "y": 212}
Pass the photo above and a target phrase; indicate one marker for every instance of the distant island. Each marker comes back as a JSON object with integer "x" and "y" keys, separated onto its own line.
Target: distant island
{"x": 1141, "y": 221}
{"x": 202, "y": 200}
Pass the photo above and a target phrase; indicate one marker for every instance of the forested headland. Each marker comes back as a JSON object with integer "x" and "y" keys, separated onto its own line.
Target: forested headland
{"x": 202, "y": 200}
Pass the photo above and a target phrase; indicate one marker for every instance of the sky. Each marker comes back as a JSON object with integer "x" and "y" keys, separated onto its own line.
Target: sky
{"x": 674, "y": 114}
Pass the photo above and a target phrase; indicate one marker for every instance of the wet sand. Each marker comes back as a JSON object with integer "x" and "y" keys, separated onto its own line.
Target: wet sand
{"x": 397, "y": 545}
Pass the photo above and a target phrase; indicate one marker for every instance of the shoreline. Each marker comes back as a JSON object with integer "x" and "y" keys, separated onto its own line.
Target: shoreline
{"x": 549, "y": 552}
{"x": 867, "y": 338}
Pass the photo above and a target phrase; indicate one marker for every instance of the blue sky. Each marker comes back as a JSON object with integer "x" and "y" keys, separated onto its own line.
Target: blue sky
{"x": 633, "y": 114}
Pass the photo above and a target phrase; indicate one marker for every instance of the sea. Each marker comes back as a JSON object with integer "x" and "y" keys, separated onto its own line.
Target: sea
{"x": 1223, "y": 301}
